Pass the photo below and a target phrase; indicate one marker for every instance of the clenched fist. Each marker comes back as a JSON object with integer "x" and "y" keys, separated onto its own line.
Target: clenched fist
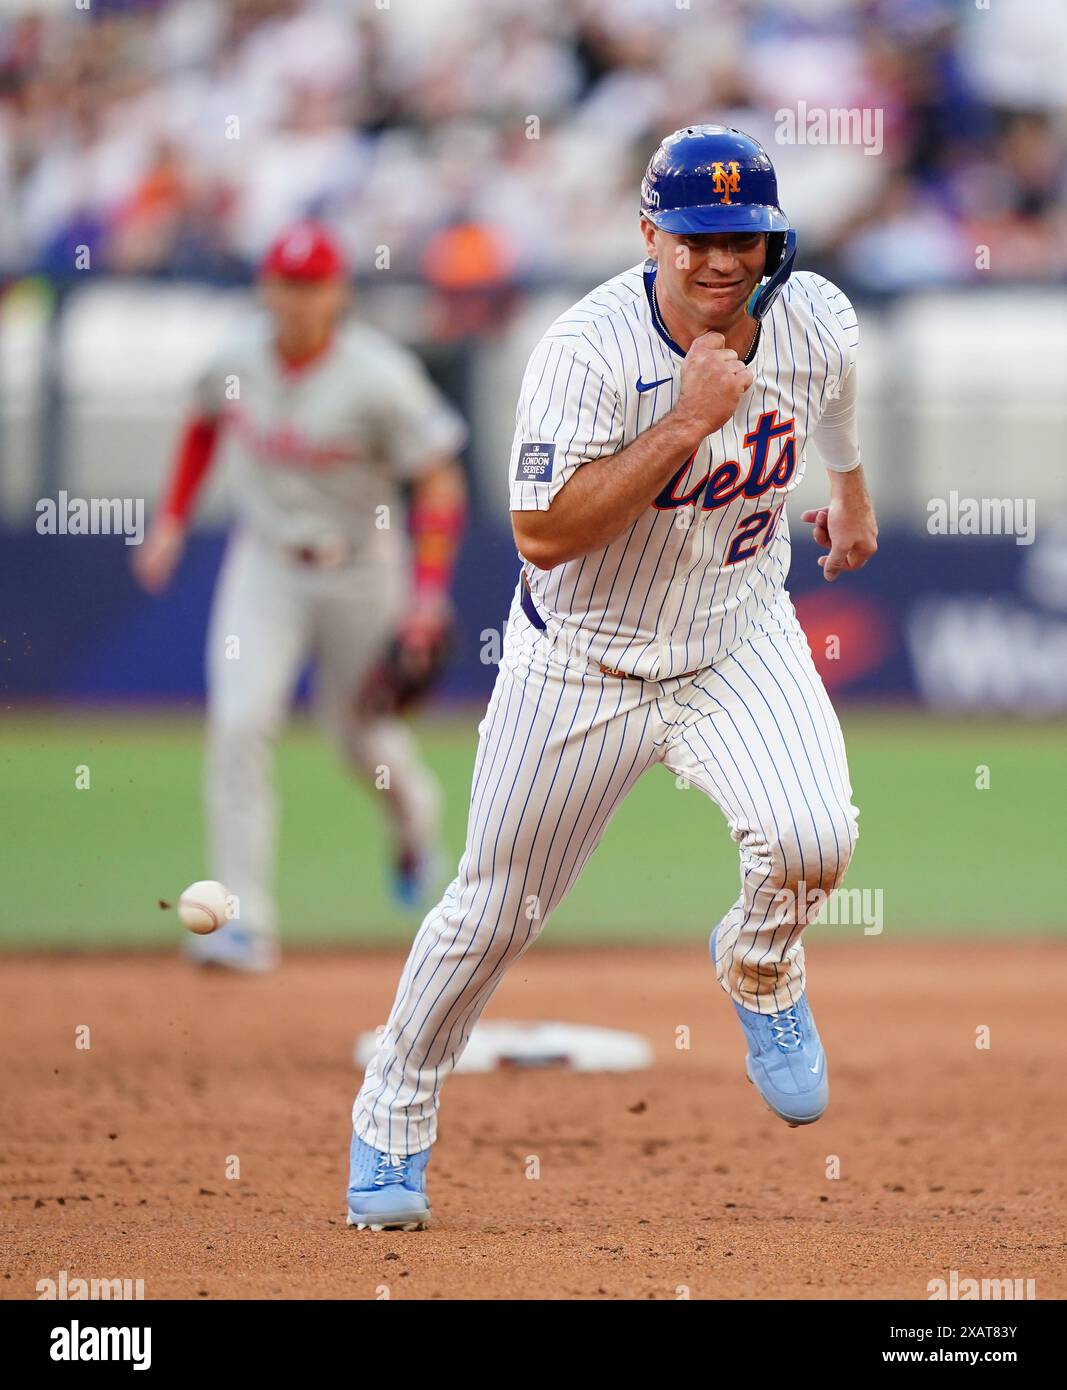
{"x": 713, "y": 381}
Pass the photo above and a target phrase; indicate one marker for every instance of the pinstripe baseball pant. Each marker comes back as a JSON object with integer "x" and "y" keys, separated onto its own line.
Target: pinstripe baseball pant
{"x": 561, "y": 744}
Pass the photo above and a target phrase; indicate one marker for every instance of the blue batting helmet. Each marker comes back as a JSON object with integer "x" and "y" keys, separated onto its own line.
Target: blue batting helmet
{"x": 711, "y": 178}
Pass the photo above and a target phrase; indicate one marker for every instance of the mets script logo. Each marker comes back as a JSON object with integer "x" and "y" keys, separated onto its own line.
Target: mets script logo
{"x": 772, "y": 447}
{"x": 726, "y": 183}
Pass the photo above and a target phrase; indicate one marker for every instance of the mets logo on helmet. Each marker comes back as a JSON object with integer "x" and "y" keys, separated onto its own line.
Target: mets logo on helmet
{"x": 726, "y": 183}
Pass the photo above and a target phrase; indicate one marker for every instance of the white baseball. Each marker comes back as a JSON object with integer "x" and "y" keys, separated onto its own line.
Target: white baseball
{"x": 203, "y": 907}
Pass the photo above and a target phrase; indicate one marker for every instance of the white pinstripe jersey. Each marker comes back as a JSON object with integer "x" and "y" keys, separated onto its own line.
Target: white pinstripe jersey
{"x": 704, "y": 567}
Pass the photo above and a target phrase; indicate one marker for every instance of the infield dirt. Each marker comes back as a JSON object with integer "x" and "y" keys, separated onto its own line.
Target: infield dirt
{"x": 114, "y": 1158}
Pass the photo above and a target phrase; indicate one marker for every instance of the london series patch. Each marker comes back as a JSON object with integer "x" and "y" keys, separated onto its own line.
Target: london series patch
{"x": 535, "y": 463}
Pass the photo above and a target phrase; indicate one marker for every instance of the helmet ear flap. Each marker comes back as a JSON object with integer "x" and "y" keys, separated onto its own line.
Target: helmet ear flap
{"x": 781, "y": 253}
{"x": 775, "y": 252}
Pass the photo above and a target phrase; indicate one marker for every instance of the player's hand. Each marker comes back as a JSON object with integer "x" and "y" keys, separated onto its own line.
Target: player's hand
{"x": 154, "y": 561}
{"x": 713, "y": 380}
{"x": 847, "y": 529}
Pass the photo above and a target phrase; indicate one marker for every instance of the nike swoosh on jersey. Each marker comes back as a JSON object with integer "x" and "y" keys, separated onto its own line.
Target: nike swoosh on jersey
{"x": 651, "y": 385}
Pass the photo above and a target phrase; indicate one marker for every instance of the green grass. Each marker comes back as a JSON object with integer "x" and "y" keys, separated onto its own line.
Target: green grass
{"x": 85, "y": 868}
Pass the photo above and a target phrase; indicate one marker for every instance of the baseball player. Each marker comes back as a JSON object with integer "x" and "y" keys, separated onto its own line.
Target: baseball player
{"x": 329, "y": 420}
{"x": 662, "y": 424}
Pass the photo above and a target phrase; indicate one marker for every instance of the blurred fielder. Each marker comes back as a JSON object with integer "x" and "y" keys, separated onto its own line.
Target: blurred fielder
{"x": 329, "y": 420}
{"x": 662, "y": 424}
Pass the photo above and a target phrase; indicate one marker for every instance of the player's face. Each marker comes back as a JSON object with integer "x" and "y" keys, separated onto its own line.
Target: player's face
{"x": 304, "y": 311}
{"x": 709, "y": 275}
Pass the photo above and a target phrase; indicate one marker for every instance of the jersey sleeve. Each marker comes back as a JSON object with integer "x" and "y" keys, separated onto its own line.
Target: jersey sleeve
{"x": 420, "y": 424}
{"x": 845, "y": 333}
{"x": 568, "y": 414}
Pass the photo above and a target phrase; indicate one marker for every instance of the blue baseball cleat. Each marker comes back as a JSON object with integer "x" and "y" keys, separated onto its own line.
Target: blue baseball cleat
{"x": 387, "y": 1192}
{"x": 785, "y": 1060}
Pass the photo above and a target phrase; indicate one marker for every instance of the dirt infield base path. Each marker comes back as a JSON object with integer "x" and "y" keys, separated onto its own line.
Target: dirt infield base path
{"x": 115, "y": 1158}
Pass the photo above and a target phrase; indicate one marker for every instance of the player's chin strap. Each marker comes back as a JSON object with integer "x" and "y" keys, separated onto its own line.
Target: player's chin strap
{"x": 765, "y": 293}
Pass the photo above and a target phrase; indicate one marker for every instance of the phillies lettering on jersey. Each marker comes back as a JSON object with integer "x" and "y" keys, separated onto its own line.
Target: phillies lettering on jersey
{"x": 704, "y": 566}
{"x": 285, "y": 447}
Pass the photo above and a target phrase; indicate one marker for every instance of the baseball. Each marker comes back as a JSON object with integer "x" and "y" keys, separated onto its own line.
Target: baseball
{"x": 203, "y": 907}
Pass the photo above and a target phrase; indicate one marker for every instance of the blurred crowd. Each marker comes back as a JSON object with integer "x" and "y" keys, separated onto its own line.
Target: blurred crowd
{"x": 475, "y": 142}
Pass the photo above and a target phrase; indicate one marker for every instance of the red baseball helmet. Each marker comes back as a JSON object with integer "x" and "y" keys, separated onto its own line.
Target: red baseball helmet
{"x": 305, "y": 251}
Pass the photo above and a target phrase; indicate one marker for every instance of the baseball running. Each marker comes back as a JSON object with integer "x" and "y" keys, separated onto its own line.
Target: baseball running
{"x": 329, "y": 421}
{"x": 662, "y": 424}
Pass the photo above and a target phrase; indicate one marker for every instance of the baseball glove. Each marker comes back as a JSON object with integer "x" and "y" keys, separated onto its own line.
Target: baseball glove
{"x": 412, "y": 665}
